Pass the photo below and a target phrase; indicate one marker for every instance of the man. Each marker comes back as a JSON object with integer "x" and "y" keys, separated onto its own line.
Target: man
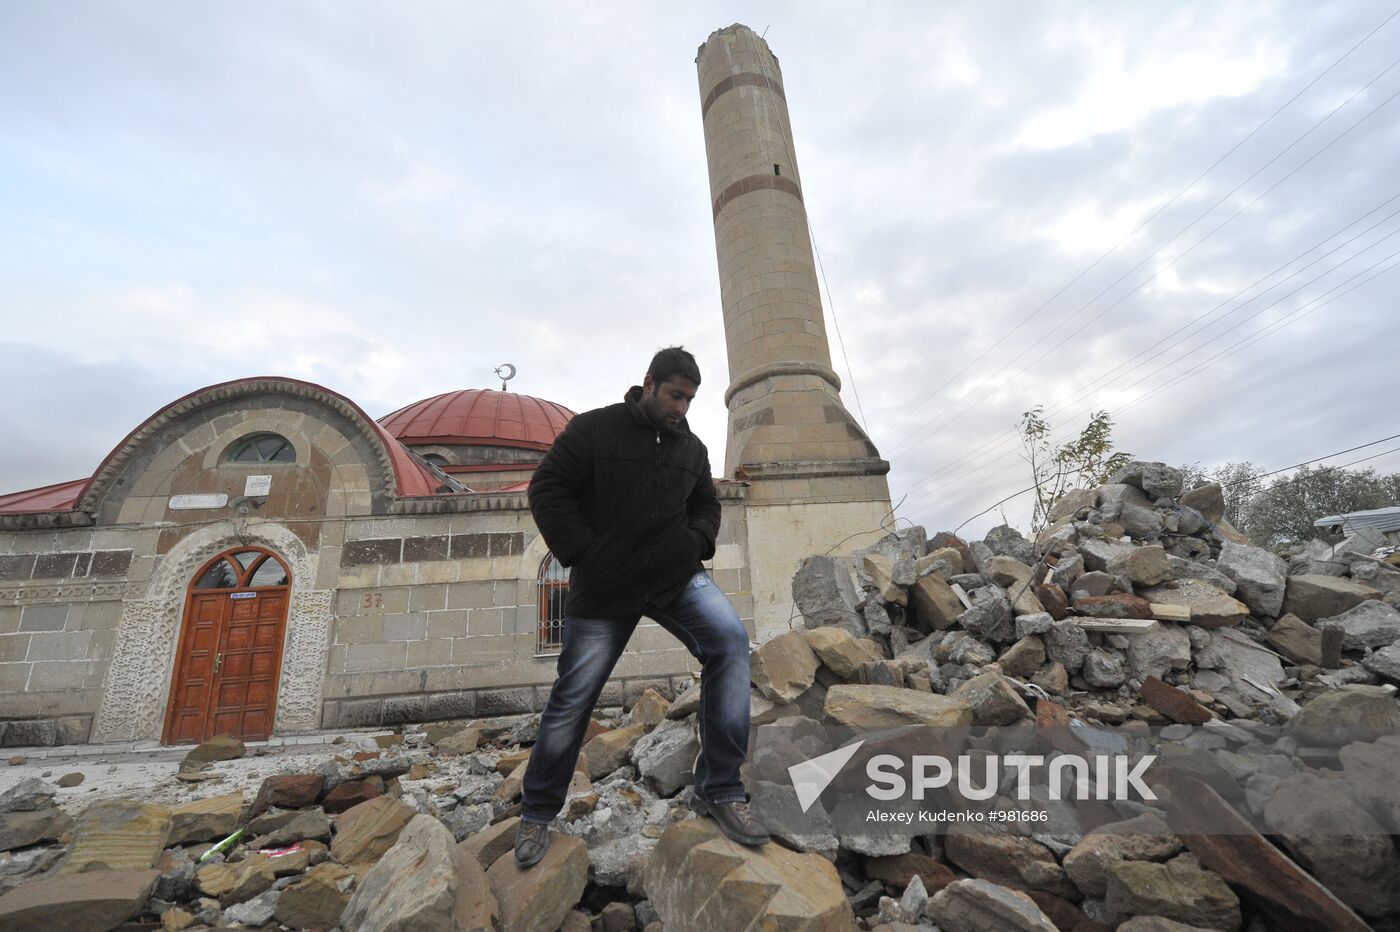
{"x": 625, "y": 499}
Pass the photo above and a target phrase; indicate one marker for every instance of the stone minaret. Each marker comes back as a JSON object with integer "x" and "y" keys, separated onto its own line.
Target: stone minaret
{"x": 815, "y": 475}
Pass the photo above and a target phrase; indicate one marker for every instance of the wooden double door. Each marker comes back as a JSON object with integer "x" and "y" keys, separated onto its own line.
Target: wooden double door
{"x": 229, "y": 658}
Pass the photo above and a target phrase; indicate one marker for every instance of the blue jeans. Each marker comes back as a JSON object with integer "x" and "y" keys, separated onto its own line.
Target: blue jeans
{"x": 704, "y": 621}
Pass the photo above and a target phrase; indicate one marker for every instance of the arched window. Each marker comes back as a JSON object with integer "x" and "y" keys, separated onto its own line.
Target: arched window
{"x": 553, "y": 587}
{"x": 243, "y": 569}
{"x": 261, "y": 448}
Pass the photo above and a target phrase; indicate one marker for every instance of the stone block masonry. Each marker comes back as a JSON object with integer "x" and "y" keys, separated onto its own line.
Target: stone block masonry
{"x": 20, "y": 567}
{"x": 383, "y": 551}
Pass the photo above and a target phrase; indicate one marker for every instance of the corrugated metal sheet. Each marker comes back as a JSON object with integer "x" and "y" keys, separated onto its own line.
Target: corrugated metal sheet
{"x": 1383, "y": 520}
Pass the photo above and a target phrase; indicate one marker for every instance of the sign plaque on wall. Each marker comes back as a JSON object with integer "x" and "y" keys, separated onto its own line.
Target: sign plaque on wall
{"x": 191, "y": 502}
{"x": 257, "y": 486}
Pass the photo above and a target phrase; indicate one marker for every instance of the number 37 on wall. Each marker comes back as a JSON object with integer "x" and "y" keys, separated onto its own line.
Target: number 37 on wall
{"x": 373, "y": 600}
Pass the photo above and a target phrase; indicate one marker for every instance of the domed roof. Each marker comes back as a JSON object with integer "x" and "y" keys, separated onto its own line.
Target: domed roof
{"x": 479, "y": 417}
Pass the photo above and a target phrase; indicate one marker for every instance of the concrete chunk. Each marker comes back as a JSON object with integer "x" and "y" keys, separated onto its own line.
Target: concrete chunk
{"x": 91, "y": 902}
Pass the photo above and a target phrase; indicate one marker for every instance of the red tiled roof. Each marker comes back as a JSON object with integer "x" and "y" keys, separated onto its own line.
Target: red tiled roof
{"x": 410, "y": 476}
{"x": 60, "y": 497}
{"x": 480, "y": 416}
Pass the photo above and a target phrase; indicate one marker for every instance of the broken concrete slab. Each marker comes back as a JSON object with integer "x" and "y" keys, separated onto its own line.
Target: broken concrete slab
{"x": 1143, "y": 838}
{"x": 1323, "y": 596}
{"x": 1228, "y": 844}
{"x": 934, "y": 603}
{"x": 841, "y": 651}
{"x": 783, "y": 668}
{"x": 1369, "y": 624}
{"x": 875, "y": 707}
{"x": 1209, "y": 606}
{"x": 1178, "y": 889}
{"x": 422, "y": 882}
{"x": 665, "y": 758}
{"x": 538, "y": 899}
{"x": 1296, "y": 640}
{"x": 117, "y": 834}
{"x": 700, "y": 881}
{"x": 1258, "y": 575}
{"x": 364, "y": 833}
{"x": 1329, "y": 832}
{"x": 205, "y": 819}
{"x": 977, "y": 905}
{"x": 825, "y": 595}
{"x": 89, "y": 902}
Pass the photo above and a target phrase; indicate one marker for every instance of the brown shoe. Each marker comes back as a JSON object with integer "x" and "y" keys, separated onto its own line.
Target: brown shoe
{"x": 734, "y": 819}
{"x": 531, "y": 842}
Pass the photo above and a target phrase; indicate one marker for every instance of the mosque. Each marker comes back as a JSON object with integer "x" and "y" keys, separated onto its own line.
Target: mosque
{"x": 261, "y": 557}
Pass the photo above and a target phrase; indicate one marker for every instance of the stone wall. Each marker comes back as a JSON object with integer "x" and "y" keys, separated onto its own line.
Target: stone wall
{"x": 60, "y": 600}
{"x": 436, "y": 617}
{"x": 781, "y": 536}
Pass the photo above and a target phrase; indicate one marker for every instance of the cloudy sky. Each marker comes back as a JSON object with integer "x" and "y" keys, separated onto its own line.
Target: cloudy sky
{"x": 1014, "y": 203}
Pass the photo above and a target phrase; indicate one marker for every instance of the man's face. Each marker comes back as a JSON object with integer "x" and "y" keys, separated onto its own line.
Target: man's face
{"x": 666, "y": 403}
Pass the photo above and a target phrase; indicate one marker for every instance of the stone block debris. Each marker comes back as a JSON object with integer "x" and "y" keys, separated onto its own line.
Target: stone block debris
{"x": 1267, "y": 681}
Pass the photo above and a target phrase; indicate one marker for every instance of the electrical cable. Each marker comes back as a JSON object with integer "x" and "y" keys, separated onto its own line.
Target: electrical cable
{"x": 1275, "y": 472}
{"x": 1152, "y": 217}
{"x": 1266, "y": 331}
{"x": 935, "y": 427}
{"x": 816, "y": 253}
{"x": 958, "y": 465}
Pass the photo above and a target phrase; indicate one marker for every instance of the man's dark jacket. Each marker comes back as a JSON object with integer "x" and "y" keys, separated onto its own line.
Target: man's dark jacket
{"x": 629, "y": 507}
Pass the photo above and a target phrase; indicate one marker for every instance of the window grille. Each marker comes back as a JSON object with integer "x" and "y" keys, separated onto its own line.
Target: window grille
{"x": 553, "y": 587}
{"x": 261, "y": 448}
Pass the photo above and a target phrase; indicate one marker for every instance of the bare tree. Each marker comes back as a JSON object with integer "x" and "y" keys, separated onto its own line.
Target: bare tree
{"x": 1084, "y": 462}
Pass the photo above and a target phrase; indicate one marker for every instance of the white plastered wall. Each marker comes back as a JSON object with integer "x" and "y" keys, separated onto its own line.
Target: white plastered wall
{"x": 782, "y": 536}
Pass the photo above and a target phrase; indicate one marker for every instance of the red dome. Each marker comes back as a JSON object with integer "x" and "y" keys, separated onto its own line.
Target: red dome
{"x": 480, "y": 417}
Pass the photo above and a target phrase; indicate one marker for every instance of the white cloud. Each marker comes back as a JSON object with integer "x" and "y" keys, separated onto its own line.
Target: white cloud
{"x": 393, "y": 203}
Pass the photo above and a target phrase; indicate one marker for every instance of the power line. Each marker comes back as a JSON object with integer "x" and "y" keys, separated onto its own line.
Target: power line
{"x": 959, "y": 464}
{"x": 816, "y": 253}
{"x": 1157, "y": 212}
{"x": 1223, "y": 354}
{"x": 1032, "y": 488}
{"x": 1292, "y": 317}
{"x": 1362, "y": 446}
{"x": 935, "y": 426}
{"x": 1258, "y": 335}
{"x": 954, "y": 466}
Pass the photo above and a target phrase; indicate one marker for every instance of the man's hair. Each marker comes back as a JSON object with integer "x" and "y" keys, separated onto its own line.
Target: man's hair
{"x": 672, "y": 361}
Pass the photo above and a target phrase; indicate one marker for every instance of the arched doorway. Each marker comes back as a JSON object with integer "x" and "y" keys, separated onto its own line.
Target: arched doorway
{"x": 229, "y": 657}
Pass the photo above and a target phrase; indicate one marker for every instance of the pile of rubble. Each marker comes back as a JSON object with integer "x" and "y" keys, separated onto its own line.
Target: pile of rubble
{"x": 1138, "y": 609}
